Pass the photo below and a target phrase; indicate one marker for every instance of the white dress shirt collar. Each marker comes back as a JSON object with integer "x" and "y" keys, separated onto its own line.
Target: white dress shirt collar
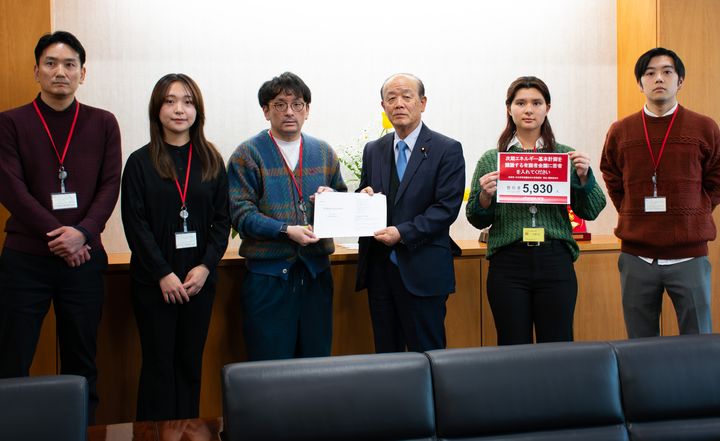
{"x": 515, "y": 141}
{"x": 410, "y": 140}
{"x": 669, "y": 112}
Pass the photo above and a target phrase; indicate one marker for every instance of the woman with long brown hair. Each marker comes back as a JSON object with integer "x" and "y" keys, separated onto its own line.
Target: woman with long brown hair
{"x": 531, "y": 282}
{"x": 175, "y": 215}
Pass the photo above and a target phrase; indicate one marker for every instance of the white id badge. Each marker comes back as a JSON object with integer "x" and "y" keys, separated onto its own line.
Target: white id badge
{"x": 655, "y": 204}
{"x": 64, "y": 201}
{"x": 185, "y": 240}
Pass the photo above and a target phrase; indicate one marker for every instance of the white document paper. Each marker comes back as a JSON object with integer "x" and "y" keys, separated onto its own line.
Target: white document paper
{"x": 349, "y": 214}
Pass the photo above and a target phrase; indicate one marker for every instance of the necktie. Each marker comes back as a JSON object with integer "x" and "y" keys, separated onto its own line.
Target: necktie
{"x": 400, "y": 165}
{"x": 401, "y": 162}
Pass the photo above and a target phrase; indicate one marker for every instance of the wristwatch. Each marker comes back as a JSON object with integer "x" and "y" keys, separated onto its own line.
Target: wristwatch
{"x": 283, "y": 229}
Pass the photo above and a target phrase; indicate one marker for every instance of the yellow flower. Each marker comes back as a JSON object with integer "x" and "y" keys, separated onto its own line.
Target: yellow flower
{"x": 466, "y": 196}
{"x": 386, "y": 124}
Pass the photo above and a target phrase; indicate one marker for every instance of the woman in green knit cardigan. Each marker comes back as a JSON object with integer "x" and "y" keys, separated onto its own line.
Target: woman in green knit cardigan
{"x": 531, "y": 283}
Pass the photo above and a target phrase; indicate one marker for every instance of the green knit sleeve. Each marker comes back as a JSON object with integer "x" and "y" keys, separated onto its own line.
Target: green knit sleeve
{"x": 587, "y": 201}
{"x": 478, "y": 216}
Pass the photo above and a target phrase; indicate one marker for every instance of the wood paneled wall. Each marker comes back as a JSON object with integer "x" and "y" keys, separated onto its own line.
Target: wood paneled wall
{"x": 119, "y": 352}
{"x": 689, "y": 27}
{"x": 469, "y": 321}
{"x": 22, "y": 22}
{"x": 636, "y": 33}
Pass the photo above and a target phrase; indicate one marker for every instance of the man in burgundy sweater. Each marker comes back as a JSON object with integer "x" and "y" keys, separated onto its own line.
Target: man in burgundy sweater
{"x": 662, "y": 170}
{"x": 59, "y": 178}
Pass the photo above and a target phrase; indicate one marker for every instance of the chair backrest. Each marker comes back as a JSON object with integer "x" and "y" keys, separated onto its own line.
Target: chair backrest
{"x": 539, "y": 392}
{"x": 671, "y": 387}
{"x": 379, "y": 396}
{"x": 44, "y": 408}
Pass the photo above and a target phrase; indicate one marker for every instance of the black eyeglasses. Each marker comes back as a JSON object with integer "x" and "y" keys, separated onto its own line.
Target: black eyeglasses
{"x": 282, "y": 106}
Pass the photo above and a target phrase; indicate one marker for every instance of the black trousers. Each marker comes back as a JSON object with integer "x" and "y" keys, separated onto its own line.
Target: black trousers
{"x": 172, "y": 337}
{"x": 532, "y": 286}
{"x": 28, "y": 284}
{"x": 401, "y": 320}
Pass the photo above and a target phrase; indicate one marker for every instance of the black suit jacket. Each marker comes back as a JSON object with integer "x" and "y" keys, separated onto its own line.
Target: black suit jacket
{"x": 427, "y": 202}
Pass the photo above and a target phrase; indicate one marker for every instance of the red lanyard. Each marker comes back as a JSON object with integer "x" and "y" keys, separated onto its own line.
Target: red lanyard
{"x": 656, "y": 163}
{"x": 61, "y": 159}
{"x": 298, "y": 187}
{"x": 183, "y": 193}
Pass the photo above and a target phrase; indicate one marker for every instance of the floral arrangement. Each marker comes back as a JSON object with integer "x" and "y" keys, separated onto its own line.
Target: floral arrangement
{"x": 350, "y": 156}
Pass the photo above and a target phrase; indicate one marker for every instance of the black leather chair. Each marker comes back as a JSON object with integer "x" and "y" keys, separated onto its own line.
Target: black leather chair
{"x": 657, "y": 389}
{"x": 528, "y": 392}
{"x": 364, "y": 397}
{"x": 671, "y": 387}
{"x": 44, "y": 408}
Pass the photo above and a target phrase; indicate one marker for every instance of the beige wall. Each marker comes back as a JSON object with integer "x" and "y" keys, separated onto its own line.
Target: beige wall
{"x": 466, "y": 54}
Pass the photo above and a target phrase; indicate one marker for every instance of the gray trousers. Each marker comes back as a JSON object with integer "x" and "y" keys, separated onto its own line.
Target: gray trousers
{"x": 687, "y": 284}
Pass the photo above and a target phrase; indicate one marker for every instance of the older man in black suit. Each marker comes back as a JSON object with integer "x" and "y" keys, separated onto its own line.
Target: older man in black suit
{"x": 407, "y": 267}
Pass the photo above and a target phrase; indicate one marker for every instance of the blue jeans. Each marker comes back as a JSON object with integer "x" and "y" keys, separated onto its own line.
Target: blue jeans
{"x": 287, "y": 318}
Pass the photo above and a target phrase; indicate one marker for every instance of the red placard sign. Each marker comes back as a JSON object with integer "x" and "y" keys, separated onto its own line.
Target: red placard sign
{"x": 533, "y": 178}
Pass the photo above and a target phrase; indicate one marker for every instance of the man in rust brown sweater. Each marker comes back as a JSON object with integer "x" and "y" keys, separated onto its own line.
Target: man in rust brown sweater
{"x": 662, "y": 170}
{"x": 59, "y": 178}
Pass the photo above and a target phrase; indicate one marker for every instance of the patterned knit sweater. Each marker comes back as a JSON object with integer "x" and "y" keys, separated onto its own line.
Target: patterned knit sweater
{"x": 508, "y": 220}
{"x": 263, "y": 198}
{"x": 688, "y": 176}
{"x": 28, "y": 173}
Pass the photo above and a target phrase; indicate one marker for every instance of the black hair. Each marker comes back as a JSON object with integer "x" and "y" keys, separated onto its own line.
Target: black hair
{"x": 59, "y": 37}
{"x": 288, "y": 83}
{"x": 644, "y": 60}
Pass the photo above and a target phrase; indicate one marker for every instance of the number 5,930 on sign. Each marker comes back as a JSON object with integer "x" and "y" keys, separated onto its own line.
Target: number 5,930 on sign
{"x": 533, "y": 178}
